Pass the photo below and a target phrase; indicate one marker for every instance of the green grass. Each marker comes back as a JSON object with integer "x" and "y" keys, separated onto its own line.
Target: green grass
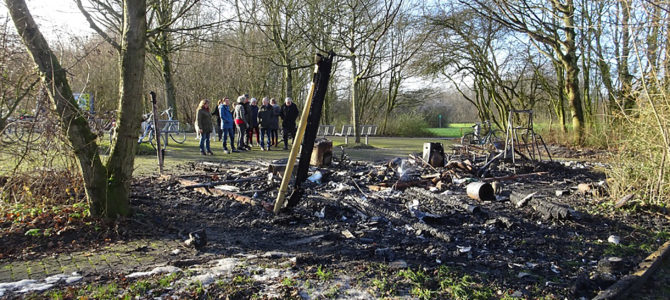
{"x": 176, "y": 154}
{"x": 453, "y": 130}
{"x": 179, "y": 154}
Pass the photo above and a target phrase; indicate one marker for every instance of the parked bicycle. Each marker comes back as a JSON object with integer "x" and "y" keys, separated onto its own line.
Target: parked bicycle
{"x": 491, "y": 137}
{"x": 29, "y": 129}
{"x": 169, "y": 127}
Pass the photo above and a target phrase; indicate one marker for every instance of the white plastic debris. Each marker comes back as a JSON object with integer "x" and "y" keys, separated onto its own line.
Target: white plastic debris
{"x": 554, "y": 268}
{"x": 228, "y": 188}
{"x": 464, "y": 249}
{"x": 614, "y": 239}
{"x": 175, "y": 251}
{"x": 320, "y": 214}
{"x": 316, "y": 177}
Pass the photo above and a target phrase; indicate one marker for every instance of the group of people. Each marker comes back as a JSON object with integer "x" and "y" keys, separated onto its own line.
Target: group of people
{"x": 243, "y": 120}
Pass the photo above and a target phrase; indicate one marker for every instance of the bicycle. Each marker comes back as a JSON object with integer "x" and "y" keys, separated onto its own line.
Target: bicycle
{"x": 148, "y": 131}
{"x": 170, "y": 128}
{"x": 173, "y": 127}
{"x": 491, "y": 137}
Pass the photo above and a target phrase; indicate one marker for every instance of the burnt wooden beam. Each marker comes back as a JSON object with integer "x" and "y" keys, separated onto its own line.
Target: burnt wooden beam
{"x": 321, "y": 79}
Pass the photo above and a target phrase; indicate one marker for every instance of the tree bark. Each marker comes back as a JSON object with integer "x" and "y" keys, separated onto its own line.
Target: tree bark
{"x": 354, "y": 95}
{"x": 569, "y": 60}
{"x": 625, "y": 77}
{"x": 131, "y": 80}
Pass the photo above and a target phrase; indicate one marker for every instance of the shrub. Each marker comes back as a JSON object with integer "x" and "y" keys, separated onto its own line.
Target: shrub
{"x": 640, "y": 163}
{"x": 410, "y": 124}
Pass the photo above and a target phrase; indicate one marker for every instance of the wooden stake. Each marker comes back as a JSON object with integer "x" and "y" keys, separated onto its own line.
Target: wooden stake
{"x": 295, "y": 148}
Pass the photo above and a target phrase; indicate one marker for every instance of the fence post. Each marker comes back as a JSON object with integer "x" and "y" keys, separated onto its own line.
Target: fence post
{"x": 157, "y": 133}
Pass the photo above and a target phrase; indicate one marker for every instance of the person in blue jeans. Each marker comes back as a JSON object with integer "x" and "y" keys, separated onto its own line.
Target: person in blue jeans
{"x": 227, "y": 125}
{"x": 265, "y": 119}
{"x": 203, "y": 118}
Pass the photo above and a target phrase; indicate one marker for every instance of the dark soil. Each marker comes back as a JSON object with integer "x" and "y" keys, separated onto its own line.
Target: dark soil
{"x": 513, "y": 249}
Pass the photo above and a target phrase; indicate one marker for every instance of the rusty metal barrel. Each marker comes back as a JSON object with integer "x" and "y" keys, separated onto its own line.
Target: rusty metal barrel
{"x": 481, "y": 191}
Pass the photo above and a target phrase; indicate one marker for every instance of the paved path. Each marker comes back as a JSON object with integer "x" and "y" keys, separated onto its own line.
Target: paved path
{"x": 121, "y": 257}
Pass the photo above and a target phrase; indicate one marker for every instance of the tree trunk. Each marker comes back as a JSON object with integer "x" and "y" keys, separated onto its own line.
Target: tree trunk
{"x": 288, "y": 79}
{"x": 131, "y": 80}
{"x": 73, "y": 124}
{"x": 170, "y": 91}
{"x": 569, "y": 61}
{"x": 625, "y": 77}
{"x": 354, "y": 95}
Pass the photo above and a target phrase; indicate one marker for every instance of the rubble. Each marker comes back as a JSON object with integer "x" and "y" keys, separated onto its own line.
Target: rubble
{"x": 407, "y": 211}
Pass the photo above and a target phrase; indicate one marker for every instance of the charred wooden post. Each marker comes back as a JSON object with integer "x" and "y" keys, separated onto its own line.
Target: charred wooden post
{"x": 548, "y": 209}
{"x": 455, "y": 203}
{"x": 433, "y": 154}
{"x": 320, "y": 80}
{"x": 323, "y": 154}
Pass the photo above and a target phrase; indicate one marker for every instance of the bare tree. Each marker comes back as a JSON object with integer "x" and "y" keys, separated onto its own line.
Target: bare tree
{"x": 358, "y": 28}
{"x": 283, "y": 45}
{"x": 550, "y": 22}
{"x": 107, "y": 186}
{"x": 17, "y": 78}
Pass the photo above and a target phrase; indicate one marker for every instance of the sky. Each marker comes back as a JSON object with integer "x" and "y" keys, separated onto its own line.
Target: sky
{"x": 57, "y": 19}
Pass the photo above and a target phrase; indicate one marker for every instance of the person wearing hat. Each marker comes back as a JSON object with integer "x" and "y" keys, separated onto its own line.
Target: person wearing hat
{"x": 203, "y": 119}
{"x": 240, "y": 116}
{"x": 289, "y": 113}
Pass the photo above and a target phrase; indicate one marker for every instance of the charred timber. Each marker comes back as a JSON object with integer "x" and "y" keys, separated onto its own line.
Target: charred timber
{"x": 548, "y": 209}
{"x": 321, "y": 78}
{"x": 452, "y": 202}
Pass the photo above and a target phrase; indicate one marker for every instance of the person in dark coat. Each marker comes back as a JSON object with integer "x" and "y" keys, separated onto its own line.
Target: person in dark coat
{"x": 266, "y": 118}
{"x": 289, "y": 113}
{"x": 247, "y": 111}
{"x": 253, "y": 122}
{"x": 227, "y": 125}
{"x": 274, "y": 129}
{"x": 215, "y": 114}
{"x": 203, "y": 119}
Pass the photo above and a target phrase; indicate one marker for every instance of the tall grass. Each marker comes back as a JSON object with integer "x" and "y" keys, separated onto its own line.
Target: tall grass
{"x": 640, "y": 162}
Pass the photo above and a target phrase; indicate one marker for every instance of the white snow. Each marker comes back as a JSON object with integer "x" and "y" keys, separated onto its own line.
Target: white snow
{"x": 29, "y": 285}
{"x": 157, "y": 270}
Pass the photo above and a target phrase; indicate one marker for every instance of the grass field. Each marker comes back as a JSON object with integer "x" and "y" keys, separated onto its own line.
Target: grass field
{"x": 453, "y": 131}
{"x": 179, "y": 154}
{"x": 384, "y": 148}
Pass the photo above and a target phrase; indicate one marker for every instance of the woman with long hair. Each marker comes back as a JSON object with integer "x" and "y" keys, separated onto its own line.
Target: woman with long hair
{"x": 203, "y": 119}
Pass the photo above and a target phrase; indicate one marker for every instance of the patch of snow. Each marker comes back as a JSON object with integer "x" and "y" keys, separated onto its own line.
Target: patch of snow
{"x": 204, "y": 279}
{"x": 157, "y": 270}
{"x": 36, "y": 287}
{"x": 29, "y": 285}
{"x": 276, "y": 254}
